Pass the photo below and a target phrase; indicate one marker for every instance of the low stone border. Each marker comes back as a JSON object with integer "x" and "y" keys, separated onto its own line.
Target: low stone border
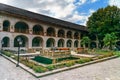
{"x": 57, "y": 70}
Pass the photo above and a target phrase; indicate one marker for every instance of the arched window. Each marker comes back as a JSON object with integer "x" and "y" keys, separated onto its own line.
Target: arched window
{"x": 38, "y": 30}
{"x": 21, "y": 27}
{"x": 24, "y": 40}
{"x": 37, "y": 42}
{"x": 61, "y": 33}
{"x": 60, "y": 43}
{"x": 76, "y": 43}
{"x": 69, "y": 34}
{"x": 76, "y": 35}
{"x": 6, "y": 25}
{"x": 6, "y": 42}
{"x": 50, "y": 42}
{"x": 69, "y": 43}
{"x": 51, "y": 31}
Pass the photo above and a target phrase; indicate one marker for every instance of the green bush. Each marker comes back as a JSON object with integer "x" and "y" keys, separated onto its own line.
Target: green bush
{"x": 7, "y": 53}
{"x": 51, "y": 67}
{"x": 83, "y": 60}
{"x": 100, "y": 56}
{"x": 61, "y": 65}
{"x": 29, "y": 64}
{"x": 117, "y": 53}
{"x": 39, "y": 69}
{"x": 70, "y": 63}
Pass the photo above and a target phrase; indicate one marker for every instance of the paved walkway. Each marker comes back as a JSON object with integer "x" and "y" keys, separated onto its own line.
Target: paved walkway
{"x": 107, "y": 70}
{"x": 9, "y": 71}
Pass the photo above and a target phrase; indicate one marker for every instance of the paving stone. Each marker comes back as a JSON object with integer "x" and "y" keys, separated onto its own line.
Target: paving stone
{"x": 107, "y": 70}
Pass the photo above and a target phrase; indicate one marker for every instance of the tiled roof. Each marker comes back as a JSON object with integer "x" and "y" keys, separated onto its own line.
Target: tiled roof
{"x": 40, "y": 17}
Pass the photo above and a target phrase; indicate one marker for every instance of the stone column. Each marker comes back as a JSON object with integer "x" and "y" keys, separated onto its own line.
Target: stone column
{"x": 56, "y": 32}
{"x": 65, "y": 43}
{"x": 44, "y": 42}
{"x": 11, "y": 45}
{"x": 30, "y": 41}
{"x": 45, "y": 30}
{"x": 56, "y": 42}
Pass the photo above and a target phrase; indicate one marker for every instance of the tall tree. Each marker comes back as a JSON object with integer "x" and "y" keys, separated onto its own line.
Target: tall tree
{"x": 103, "y": 21}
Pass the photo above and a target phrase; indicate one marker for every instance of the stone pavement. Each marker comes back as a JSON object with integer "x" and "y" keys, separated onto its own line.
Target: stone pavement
{"x": 9, "y": 71}
{"x": 107, "y": 70}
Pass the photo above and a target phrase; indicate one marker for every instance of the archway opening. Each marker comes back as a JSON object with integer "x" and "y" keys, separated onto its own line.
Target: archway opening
{"x": 50, "y": 42}
{"x": 92, "y": 45}
{"x": 37, "y": 42}
{"x": 69, "y": 34}
{"x": 6, "y": 42}
{"x": 6, "y": 25}
{"x": 38, "y": 30}
{"x": 51, "y": 32}
{"x": 24, "y": 41}
{"x": 69, "y": 43}
{"x": 61, "y": 33}
{"x": 60, "y": 43}
{"x": 76, "y": 43}
{"x": 76, "y": 35}
{"x": 21, "y": 27}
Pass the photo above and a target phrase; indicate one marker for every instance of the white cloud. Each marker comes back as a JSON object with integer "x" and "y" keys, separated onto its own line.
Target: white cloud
{"x": 114, "y": 2}
{"x": 93, "y": 1}
{"x": 4, "y": 1}
{"x": 36, "y": 10}
{"x": 91, "y": 11}
{"x": 80, "y": 2}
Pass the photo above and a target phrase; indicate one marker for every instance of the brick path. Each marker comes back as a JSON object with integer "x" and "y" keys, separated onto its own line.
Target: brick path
{"x": 107, "y": 70}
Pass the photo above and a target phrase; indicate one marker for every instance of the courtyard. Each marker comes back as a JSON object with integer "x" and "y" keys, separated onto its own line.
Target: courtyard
{"x": 107, "y": 70}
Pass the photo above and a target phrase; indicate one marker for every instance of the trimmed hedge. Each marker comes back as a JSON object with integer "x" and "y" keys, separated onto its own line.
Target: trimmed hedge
{"x": 43, "y": 60}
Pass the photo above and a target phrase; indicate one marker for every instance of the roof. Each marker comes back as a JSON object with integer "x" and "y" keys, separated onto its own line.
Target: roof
{"x": 35, "y": 16}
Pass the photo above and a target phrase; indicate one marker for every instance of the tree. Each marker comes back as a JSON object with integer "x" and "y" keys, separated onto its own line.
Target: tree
{"x": 110, "y": 40}
{"x": 84, "y": 41}
{"x": 103, "y": 21}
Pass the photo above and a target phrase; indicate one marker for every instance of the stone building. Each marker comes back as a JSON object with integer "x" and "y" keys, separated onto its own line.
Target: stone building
{"x": 36, "y": 30}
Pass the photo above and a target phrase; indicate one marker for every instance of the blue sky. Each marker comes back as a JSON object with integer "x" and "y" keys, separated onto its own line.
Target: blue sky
{"x": 76, "y": 11}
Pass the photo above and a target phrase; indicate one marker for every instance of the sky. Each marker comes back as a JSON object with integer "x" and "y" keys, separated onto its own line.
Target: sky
{"x": 76, "y": 11}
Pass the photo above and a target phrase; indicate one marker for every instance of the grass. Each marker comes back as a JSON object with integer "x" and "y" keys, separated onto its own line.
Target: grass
{"x": 117, "y": 53}
{"x": 102, "y": 52}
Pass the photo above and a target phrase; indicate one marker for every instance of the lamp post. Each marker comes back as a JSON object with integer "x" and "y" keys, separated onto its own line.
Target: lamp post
{"x": 19, "y": 40}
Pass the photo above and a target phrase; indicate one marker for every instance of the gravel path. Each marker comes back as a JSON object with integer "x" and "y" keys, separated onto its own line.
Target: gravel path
{"x": 107, "y": 70}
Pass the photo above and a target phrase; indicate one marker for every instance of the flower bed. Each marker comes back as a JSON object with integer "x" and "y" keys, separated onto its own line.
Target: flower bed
{"x": 67, "y": 63}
